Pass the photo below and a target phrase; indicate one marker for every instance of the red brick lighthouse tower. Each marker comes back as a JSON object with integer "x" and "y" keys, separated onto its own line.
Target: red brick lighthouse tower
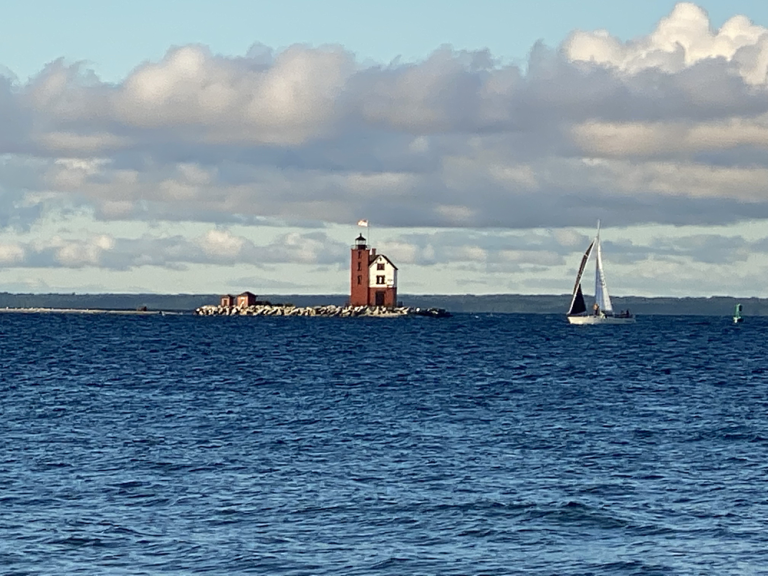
{"x": 359, "y": 265}
{"x": 373, "y": 278}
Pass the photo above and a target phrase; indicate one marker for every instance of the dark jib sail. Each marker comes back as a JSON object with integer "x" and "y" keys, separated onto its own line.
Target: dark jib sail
{"x": 577, "y": 301}
{"x": 578, "y": 305}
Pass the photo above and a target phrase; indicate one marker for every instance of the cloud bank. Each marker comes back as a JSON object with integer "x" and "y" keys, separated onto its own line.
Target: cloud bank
{"x": 217, "y": 246}
{"x": 669, "y": 128}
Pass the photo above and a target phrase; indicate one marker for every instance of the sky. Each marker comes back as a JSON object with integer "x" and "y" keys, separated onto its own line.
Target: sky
{"x": 212, "y": 147}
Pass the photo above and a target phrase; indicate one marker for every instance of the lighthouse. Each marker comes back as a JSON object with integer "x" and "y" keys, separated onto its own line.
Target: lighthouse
{"x": 373, "y": 277}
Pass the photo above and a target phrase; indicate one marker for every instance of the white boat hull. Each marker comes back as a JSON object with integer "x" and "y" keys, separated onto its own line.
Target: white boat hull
{"x": 601, "y": 320}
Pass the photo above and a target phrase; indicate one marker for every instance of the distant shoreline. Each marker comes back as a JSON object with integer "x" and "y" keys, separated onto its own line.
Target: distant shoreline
{"x": 88, "y": 311}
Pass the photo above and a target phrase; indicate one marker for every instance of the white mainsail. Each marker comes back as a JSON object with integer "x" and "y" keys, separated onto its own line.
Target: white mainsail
{"x": 601, "y": 289}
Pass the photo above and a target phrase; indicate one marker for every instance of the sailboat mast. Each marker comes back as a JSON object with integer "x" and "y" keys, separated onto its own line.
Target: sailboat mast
{"x": 602, "y": 298}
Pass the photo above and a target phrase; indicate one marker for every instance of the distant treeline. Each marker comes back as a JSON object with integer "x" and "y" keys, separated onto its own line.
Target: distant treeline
{"x": 558, "y": 304}
{"x": 496, "y": 303}
{"x": 169, "y": 302}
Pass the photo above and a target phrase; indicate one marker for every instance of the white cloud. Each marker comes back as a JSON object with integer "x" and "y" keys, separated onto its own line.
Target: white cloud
{"x": 293, "y": 99}
{"x": 682, "y": 39}
{"x": 222, "y": 243}
{"x": 79, "y": 253}
{"x": 11, "y": 254}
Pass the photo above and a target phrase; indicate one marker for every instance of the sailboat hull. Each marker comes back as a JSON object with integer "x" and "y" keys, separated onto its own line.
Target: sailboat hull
{"x": 601, "y": 320}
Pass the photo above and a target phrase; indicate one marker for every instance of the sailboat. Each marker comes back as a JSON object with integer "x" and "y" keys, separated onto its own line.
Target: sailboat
{"x": 602, "y": 309}
{"x": 737, "y": 317}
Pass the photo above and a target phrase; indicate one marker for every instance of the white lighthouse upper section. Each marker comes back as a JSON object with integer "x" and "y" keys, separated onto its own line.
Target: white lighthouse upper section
{"x": 383, "y": 274}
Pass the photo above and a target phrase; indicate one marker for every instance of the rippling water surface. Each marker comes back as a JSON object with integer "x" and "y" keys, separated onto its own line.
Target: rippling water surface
{"x": 485, "y": 444}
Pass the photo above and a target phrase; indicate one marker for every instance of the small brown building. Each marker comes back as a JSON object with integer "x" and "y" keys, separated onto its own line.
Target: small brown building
{"x": 227, "y": 301}
{"x": 246, "y": 299}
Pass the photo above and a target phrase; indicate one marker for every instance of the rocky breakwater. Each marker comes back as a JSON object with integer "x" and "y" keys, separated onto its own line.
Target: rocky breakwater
{"x": 328, "y": 311}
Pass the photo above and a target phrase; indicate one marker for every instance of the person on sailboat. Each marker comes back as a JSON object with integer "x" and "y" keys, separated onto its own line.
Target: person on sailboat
{"x": 596, "y": 309}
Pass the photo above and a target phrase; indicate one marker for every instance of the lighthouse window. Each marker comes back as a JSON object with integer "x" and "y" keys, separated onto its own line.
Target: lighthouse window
{"x": 379, "y": 279}
{"x": 380, "y": 266}
{"x": 359, "y": 279}
{"x": 359, "y": 266}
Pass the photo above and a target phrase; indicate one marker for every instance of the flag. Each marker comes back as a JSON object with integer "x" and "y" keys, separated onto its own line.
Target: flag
{"x": 362, "y": 223}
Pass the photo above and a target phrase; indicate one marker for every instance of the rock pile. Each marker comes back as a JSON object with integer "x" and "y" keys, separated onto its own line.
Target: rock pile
{"x": 329, "y": 311}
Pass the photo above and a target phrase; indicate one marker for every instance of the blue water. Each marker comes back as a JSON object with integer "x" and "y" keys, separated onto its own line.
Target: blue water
{"x": 504, "y": 444}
